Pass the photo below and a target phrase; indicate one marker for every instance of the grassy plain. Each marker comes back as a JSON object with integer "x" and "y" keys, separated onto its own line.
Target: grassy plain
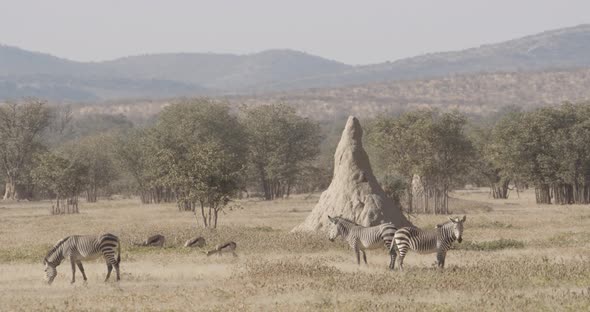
{"x": 517, "y": 256}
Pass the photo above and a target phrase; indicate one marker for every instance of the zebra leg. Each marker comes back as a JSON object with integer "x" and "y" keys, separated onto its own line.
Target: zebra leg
{"x": 73, "y": 270}
{"x": 355, "y": 246}
{"x": 393, "y": 255}
{"x": 402, "y": 255}
{"x": 116, "y": 265}
{"x": 364, "y": 256}
{"x": 79, "y": 263}
{"x": 440, "y": 258}
{"x": 109, "y": 269}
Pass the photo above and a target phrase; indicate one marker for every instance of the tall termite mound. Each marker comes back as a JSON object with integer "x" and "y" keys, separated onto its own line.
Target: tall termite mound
{"x": 354, "y": 191}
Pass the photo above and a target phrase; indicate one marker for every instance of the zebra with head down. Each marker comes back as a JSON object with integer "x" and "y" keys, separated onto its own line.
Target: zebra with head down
{"x": 83, "y": 247}
{"x": 361, "y": 238}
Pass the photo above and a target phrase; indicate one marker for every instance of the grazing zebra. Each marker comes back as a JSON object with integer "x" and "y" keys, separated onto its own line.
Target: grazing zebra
{"x": 361, "y": 238}
{"x": 226, "y": 247}
{"x": 77, "y": 248}
{"x": 438, "y": 240}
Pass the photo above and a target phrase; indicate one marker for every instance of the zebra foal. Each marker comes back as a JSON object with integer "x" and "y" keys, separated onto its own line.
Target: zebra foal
{"x": 83, "y": 247}
{"x": 361, "y": 238}
{"x": 438, "y": 240}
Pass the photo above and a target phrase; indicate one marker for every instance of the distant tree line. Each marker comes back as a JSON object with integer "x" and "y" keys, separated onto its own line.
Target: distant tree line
{"x": 547, "y": 149}
{"x": 199, "y": 154}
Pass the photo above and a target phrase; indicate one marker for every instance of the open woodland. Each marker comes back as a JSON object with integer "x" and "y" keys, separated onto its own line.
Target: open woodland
{"x": 516, "y": 256}
{"x": 200, "y": 168}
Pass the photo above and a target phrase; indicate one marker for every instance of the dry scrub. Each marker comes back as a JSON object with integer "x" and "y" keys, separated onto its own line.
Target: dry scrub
{"x": 516, "y": 256}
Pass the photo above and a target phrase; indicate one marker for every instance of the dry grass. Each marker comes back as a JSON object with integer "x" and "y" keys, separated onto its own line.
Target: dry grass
{"x": 516, "y": 256}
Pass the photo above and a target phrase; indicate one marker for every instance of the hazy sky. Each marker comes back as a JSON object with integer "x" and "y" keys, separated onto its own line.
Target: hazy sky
{"x": 354, "y": 32}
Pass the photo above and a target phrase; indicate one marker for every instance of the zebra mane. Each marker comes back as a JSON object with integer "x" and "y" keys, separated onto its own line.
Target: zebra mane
{"x": 440, "y": 225}
{"x": 54, "y": 248}
{"x": 343, "y": 219}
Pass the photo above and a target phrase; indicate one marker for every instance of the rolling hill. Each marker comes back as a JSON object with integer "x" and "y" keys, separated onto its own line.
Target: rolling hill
{"x": 26, "y": 73}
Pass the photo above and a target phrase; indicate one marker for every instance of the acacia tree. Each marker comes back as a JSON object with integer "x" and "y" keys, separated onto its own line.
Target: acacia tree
{"x": 21, "y": 125}
{"x": 281, "y": 146}
{"x": 63, "y": 177}
{"x": 484, "y": 165}
{"x": 137, "y": 152}
{"x": 428, "y": 144}
{"x": 96, "y": 151}
{"x": 548, "y": 148}
{"x": 201, "y": 149}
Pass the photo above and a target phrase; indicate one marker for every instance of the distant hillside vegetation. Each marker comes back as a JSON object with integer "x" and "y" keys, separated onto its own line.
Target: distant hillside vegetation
{"x": 565, "y": 48}
{"x": 25, "y": 73}
{"x": 474, "y": 94}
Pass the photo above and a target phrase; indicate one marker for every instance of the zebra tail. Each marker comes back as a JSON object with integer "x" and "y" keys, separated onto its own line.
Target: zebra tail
{"x": 119, "y": 253}
{"x": 393, "y": 247}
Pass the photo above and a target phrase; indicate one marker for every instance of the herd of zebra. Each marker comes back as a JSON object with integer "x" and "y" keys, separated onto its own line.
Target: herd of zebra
{"x": 397, "y": 241}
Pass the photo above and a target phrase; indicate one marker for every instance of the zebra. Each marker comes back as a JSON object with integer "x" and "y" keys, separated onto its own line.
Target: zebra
{"x": 438, "y": 240}
{"x": 219, "y": 249}
{"x": 83, "y": 247}
{"x": 361, "y": 238}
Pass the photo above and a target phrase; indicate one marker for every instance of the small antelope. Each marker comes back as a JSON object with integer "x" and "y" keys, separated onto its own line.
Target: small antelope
{"x": 153, "y": 241}
{"x": 226, "y": 247}
{"x": 195, "y": 242}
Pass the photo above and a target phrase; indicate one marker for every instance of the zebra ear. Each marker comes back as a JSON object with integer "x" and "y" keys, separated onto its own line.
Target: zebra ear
{"x": 452, "y": 220}
{"x": 331, "y": 219}
{"x": 464, "y": 218}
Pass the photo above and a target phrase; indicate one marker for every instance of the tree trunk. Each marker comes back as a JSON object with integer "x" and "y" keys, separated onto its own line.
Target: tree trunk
{"x": 500, "y": 189}
{"x": 91, "y": 194}
{"x": 409, "y": 199}
{"x": 10, "y": 190}
{"x": 543, "y": 194}
{"x": 215, "y": 218}
{"x": 203, "y": 214}
{"x": 210, "y": 215}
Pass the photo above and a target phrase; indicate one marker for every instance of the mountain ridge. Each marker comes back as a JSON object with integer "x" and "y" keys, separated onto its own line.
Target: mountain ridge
{"x": 188, "y": 74}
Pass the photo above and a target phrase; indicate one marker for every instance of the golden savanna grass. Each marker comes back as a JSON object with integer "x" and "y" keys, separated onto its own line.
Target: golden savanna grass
{"x": 516, "y": 256}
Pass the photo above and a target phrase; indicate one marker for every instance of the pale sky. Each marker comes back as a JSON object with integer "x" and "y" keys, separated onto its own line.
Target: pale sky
{"x": 354, "y": 32}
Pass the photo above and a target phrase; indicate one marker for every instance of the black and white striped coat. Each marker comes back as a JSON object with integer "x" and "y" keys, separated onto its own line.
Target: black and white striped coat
{"x": 437, "y": 240}
{"x": 83, "y": 247}
{"x": 361, "y": 238}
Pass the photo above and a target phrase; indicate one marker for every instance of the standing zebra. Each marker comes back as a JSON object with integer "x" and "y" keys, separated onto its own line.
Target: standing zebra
{"x": 438, "y": 240}
{"x": 88, "y": 247}
{"x": 361, "y": 238}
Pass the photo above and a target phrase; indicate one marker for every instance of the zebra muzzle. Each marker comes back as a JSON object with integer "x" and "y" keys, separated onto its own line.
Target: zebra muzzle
{"x": 460, "y": 239}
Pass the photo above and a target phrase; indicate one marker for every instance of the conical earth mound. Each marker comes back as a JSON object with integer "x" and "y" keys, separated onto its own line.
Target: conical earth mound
{"x": 354, "y": 191}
